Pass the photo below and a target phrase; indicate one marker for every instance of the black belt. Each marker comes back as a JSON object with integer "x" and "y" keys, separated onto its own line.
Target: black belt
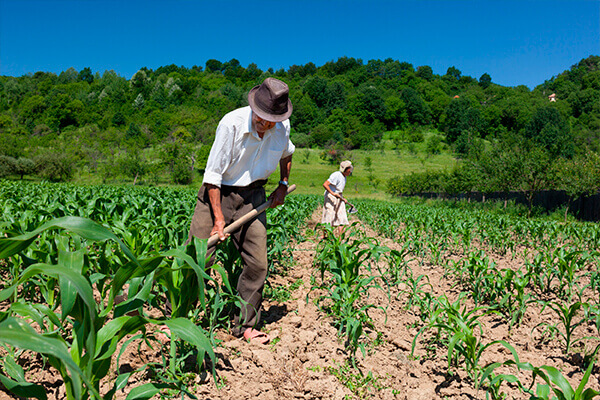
{"x": 254, "y": 185}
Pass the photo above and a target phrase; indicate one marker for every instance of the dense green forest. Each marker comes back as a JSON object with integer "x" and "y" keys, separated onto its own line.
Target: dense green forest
{"x": 161, "y": 122}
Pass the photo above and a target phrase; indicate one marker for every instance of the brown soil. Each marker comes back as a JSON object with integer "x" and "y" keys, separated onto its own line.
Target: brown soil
{"x": 306, "y": 360}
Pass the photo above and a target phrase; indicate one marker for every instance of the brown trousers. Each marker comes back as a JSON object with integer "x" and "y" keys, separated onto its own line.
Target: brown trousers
{"x": 250, "y": 240}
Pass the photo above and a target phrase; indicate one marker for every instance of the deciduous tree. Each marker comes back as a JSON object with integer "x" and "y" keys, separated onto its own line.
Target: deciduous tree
{"x": 550, "y": 130}
{"x": 579, "y": 176}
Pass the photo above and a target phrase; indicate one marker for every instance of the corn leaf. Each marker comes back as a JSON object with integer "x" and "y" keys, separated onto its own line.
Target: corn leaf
{"x": 146, "y": 391}
{"x": 20, "y": 334}
{"x": 189, "y": 332}
{"x": 84, "y": 227}
{"x": 24, "y": 389}
{"x": 556, "y": 377}
{"x": 114, "y": 331}
{"x": 68, "y": 293}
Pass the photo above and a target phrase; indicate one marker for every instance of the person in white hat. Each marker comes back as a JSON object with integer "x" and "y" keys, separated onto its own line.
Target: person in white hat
{"x": 334, "y": 205}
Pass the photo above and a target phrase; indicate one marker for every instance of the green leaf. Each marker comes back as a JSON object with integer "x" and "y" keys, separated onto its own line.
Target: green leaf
{"x": 13, "y": 369}
{"x": 189, "y": 332}
{"x": 114, "y": 331}
{"x": 589, "y": 394}
{"x": 20, "y": 334}
{"x": 84, "y": 227}
{"x": 559, "y": 380}
{"x": 68, "y": 293}
{"x": 122, "y": 380}
{"x": 24, "y": 389}
{"x": 201, "y": 275}
{"x": 108, "y": 332}
{"x": 138, "y": 300}
{"x": 129, "y": 271}
{"x": 542, "y": 391}
{"x": 28, "y": 310}
{"x": 80, "y": 284}
{"x": 580, "y": 394}
{"x": 147, "y": 391}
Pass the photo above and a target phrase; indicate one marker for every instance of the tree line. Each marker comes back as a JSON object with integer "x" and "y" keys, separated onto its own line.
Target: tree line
{"x": 508, "y": 167}
{"x": 162, "y": 121}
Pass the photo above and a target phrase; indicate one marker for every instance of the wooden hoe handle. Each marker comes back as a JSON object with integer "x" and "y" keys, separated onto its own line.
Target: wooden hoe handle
{"x": 235, "y": 225}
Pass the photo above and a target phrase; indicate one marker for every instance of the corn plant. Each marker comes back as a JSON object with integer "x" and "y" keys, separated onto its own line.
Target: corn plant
{"x": 594, "y": 273}
{"x": 415, "y": 290}
{"x": 283, "y": 226}
{"x": 476, "y": 272}
{"x": 343, "y": 259}
{"x": 80, "y": 342}
{"x": 437, "y": 249}
{"x": 592, "y": 314}
{"x": 565, "y": 265}
{"x": 397, "y": 265}
{"x": 278, "y": 235}
{"x": 595, "y": 281}
{"x": 223, "y": 299}
{"x": 541, "y": 277}
{"x": 556, "y": 383}
{"x": 555, "y": 386}
{"x": 567, "y": 315}
{"x": 508, "y": 294}
{"x": 459, "y": 326}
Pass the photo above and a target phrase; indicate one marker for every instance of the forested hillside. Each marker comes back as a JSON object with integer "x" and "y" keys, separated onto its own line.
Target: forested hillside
{"x": 161, "y": 122}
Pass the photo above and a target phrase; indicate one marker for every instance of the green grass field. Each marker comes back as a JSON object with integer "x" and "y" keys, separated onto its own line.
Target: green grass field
{"x": 309, "y": 170}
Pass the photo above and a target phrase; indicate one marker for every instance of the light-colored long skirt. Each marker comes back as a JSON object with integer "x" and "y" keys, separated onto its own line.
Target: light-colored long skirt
{"x": 334, "y": 211}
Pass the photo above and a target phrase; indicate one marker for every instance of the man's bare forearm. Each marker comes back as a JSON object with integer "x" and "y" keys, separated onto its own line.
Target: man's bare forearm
{"x": 214, "y": 197}
{"x": 278, "y": 196}
{"x": 285, "y": 167}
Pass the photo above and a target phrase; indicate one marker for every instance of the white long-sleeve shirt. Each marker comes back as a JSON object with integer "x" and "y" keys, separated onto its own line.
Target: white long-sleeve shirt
{"x": 239, "y": 156}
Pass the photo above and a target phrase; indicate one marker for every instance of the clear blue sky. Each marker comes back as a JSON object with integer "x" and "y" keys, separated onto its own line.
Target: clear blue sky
{"x": 515, "y": 41}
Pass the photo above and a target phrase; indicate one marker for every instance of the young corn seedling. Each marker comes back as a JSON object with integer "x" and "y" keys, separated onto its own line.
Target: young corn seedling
{"x": 595, "y": 281}
{"x": 415, "y": 290}
{"x": 511, "y": 299}
{"x": 343, "y": 260}
{"x": 477, "y": 273}
{"x": 541, "y": 274}
{"x": 565, "y": 265}
{"x": 398, "y": 268}
{"x": 555, "y": 386}
{"x": 278, "y": 236}
{"x": 222, "y": 298}
{"x": 437, "y": 250}
{"x": 556, "y": 383}
{"x": 464, "y": 344}
{"x": 443, "y": 314}
{"x": 592, "y": 314}
{"x": 567, "y": 315}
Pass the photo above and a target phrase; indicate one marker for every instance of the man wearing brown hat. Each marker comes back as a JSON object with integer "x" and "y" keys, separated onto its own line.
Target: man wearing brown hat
{"x": 249, "y": 144}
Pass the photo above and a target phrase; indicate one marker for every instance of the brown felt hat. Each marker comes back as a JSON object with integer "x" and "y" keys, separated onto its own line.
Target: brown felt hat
{"x": 270, "y": 100}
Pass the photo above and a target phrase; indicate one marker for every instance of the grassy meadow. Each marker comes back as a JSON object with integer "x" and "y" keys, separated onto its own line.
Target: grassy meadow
{"x": 309, "y": 170}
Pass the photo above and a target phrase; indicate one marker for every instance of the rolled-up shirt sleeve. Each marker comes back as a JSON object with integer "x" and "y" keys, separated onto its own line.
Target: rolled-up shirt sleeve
{"x": 220, "y": 155}
{"x": 289, "y": 150}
